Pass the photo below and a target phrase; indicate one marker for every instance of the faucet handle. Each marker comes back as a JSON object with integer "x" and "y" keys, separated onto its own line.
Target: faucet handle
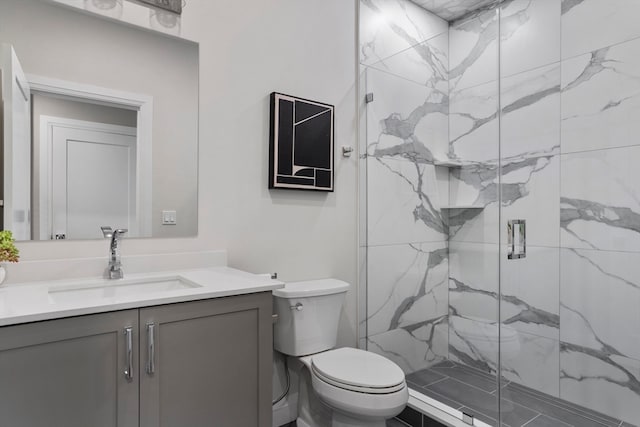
{"x": 119, "y": 231}
{"x": 106, "y": 231}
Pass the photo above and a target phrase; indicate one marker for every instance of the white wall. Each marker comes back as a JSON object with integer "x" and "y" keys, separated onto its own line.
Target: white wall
{"x": 247, "y": 50}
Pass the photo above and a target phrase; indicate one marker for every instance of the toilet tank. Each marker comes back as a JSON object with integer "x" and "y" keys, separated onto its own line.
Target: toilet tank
{"x": 308, "y": 316}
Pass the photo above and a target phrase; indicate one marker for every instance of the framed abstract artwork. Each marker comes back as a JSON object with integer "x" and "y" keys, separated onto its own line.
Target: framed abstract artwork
{"x": 301, "y": 144}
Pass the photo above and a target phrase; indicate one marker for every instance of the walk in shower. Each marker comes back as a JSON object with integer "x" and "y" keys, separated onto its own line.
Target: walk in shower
{"x": 500, "y": 205}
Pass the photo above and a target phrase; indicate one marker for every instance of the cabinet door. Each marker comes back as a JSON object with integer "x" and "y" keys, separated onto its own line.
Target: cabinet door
{"x": 69, "y": 372}
{"x": 212, "y": 363}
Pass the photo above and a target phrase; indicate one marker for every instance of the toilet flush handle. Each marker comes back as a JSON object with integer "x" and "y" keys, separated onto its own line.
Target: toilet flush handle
{"x": 298, "y": 307}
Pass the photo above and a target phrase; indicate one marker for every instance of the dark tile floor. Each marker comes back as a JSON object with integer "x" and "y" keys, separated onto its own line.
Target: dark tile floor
{"x": 474, "y": 392}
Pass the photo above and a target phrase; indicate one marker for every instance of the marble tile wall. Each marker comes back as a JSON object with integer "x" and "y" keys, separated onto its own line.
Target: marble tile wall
{"x": 600, "y": 206}
{"x": 569, "y": 94}
{"x": 404, "y": 60}
{"x": 550, "y": 91}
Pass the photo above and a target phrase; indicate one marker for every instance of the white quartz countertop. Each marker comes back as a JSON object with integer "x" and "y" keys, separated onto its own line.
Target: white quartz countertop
{"x": 36, "y": 301}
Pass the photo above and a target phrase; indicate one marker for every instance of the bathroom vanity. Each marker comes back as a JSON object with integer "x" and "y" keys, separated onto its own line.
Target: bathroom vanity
{"x": 181, "y": 349}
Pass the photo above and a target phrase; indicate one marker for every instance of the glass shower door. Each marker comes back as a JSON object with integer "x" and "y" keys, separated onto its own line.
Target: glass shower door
{"x": 570, "y": 295}
{"x": 430, "y": 187}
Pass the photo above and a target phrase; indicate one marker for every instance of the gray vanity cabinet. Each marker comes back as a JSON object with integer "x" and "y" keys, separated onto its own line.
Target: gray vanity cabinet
{"x": 207, "y": 363}
{"x": 211, "y": 367}
{"x": 69, "y": 372}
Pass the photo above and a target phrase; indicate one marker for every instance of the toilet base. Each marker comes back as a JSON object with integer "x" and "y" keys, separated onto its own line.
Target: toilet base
{"x": 340, "y": 420}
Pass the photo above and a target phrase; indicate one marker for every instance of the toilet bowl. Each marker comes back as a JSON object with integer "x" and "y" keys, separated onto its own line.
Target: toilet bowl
{"x": 344, "y": 387}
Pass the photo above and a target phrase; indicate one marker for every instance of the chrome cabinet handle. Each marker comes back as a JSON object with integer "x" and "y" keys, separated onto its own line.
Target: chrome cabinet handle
{"x": 517, "y": 244}
{"x": 151, "y": 349}
{"x": 128, "y": 339}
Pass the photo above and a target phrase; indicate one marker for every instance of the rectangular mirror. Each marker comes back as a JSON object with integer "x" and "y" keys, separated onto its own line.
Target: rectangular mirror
{"x": 99, "y": 126}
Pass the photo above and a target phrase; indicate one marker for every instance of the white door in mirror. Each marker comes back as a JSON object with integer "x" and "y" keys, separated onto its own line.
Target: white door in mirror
{"x": 16, "y": 97}
{"x": 93, "y": 175}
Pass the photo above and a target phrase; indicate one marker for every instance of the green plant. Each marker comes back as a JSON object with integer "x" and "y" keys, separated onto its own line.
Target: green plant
{"x": 8, "y": 251}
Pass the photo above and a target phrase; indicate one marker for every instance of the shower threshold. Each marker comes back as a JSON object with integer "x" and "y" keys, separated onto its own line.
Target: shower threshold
{"x": 458, "y": 389}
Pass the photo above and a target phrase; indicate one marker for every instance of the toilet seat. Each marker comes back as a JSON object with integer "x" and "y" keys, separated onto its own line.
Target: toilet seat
{"x": 358, "y": 370}
{"x": 362, "y": 406}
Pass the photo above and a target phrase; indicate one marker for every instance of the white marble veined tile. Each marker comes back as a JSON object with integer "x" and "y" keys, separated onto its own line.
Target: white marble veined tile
{"x": 526, "y": 359}
{"x": 362, "y": 159}
{"x": 425, "y": 63}
{"x": 390, "y": 26}
{"x": 362, "y": 293}
{"x": 472, "y": 225}
{"x": 453, "y": 9}
{"x": 600, "y": 381}
{"x": 473, "y": 280}
{"x": 405, "y": 119}
{"x": 473, "y": 124}
{"x": 473, "y": 51}
{"x": 474, "y": 342}
{"x": 530, "y": 292}
{"x": 529, "y": 34}
{"x": 530, "y": 122}
{"x": 407, "y": 284}
{"x": 600, "y": 296}
{"x": 531, "y": 361}
{"x": 600, "y": 200}
{"x": 588, "y": 25}
{"x": 403, "y": 203}
{"x": 601, "y": 98}
{"x": 362, "y": 343}
{"x": 530, "y": 190}
{"x": 413, "y": 348}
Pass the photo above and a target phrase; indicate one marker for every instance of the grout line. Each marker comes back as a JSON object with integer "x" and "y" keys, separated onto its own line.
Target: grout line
{"x": 427, "y": 385}
{"x": 532, "y": 419}
{"x": 471, "y": 386}
{"x": 553, "y": 401}
{"x": 634, "y": 38}
{"x": 549, "y": 64}
{"x": 384, "y": 245}
{"x": 412, "y": 46}
{"x": 617, "y": 147}
{"x": 557, "y": 402}
{"x": 403, "y": 422}
{"x": 382, "y": 70}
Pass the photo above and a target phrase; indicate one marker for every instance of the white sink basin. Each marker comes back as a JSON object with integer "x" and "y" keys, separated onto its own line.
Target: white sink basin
{"x": 119, "y": 289}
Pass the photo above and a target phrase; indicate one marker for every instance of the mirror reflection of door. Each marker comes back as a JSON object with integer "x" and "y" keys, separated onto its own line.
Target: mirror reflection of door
{"x": 93, "y": 178}
{"x": 16, "y": 146}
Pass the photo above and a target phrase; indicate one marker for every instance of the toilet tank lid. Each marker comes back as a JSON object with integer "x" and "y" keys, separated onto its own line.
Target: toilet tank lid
{"x": 311, "y": 288}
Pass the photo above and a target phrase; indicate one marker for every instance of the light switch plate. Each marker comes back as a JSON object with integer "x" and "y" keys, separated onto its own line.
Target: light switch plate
{"x": 169, "y": 218}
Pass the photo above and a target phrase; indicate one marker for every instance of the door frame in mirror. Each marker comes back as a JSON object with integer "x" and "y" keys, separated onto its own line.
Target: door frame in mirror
{"x": 143, "y": 104}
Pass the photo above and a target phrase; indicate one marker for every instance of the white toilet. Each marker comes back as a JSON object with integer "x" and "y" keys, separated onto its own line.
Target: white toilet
{"x": 343, "y": 387}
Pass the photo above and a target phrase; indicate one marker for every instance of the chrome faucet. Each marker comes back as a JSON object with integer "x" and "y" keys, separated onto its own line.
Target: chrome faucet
{"x": 114, "y": 270}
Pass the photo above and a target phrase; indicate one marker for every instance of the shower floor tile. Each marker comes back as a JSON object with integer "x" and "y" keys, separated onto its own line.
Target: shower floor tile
{"x": 474, "y": 392}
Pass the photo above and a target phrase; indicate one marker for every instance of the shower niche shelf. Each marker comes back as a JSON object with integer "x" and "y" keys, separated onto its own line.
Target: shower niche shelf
{"x": 448, "y": 163}
{"x": 452, "y": 207}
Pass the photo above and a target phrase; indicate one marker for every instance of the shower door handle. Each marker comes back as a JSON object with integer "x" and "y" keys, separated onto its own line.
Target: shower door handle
{"x": 517, "y": 235}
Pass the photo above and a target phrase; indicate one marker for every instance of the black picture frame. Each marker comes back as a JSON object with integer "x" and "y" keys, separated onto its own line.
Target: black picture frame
{"x": 301, "y": 144}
